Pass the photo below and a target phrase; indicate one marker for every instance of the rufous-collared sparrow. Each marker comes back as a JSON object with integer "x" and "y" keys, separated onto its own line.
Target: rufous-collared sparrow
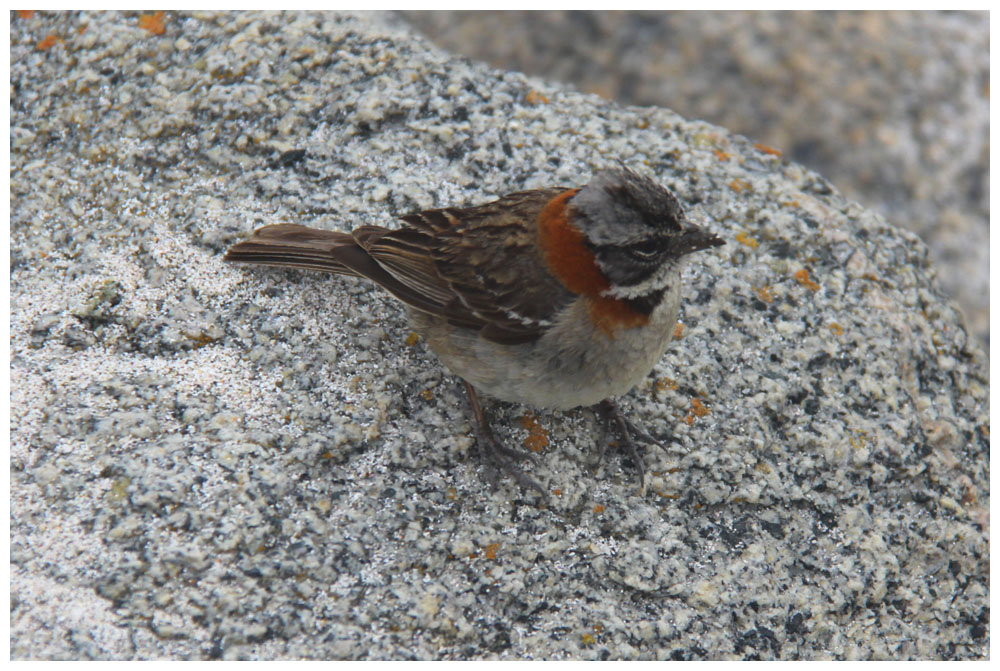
{"x": 556, "y": 298}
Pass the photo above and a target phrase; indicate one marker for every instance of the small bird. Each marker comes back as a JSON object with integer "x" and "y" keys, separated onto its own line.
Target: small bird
{"x": 556, "y": 298}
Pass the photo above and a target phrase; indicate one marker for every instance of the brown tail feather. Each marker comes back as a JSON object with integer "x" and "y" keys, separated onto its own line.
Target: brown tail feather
{"x": 294, "y": 246}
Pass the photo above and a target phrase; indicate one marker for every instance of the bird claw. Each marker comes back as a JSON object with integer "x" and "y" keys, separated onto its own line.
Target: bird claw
{"x": 642, "y": 435}
{"x": 629, "y": 432}
{"x": 496, "y": 456}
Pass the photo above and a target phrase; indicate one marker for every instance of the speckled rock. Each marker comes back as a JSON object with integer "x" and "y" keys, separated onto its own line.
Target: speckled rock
{"x": 214, "y": 462}
{"x": 892, "y": 107}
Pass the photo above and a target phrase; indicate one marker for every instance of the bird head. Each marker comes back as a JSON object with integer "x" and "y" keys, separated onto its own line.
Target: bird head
{"x": 621, "y": 235}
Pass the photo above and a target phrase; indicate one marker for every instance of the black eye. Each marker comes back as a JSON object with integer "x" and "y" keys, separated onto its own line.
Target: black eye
{"x": 647, "y": 250}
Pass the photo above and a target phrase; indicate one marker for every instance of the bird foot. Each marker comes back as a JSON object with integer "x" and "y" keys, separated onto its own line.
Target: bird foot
{"x": 612, "y": 415}
{"x": 496, "y": 456}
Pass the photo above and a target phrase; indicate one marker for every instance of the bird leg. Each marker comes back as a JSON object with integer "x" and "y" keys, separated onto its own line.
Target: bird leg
{"x": 495, "y": 455}
{"x": 613, "y": 416}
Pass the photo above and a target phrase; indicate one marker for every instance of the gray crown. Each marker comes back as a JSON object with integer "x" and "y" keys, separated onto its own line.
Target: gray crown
{"x": 621, "y": 207}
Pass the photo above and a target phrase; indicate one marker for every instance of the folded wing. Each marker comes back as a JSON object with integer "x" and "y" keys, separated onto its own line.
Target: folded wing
{"x": 479, "y": 267}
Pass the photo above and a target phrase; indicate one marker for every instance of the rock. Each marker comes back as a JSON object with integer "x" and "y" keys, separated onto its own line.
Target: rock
{"x": 825, "y": 493}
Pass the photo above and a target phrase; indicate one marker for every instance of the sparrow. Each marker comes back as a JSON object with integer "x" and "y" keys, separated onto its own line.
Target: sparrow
{"x": 556, "y": 298}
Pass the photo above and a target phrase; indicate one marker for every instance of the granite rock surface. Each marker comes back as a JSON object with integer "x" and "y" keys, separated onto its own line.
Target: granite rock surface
{"x": 214, "y": 462}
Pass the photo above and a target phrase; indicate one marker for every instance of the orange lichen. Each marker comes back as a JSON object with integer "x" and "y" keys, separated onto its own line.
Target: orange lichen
{"x": 836, "y": 328}
{"x": 764, "y": 293}
{"x": 767, "y": 150}
{"x": 722, "y": 155}
{"x": 153, "y": 23}
{"x": 412, "y": 339}
{"x": 802, "y": 277}
{"x": 698, "y": 409}
{"x": 25, "y": 13}
{"x": 427, "y": 395}
{"x": 744, "y": 238}
{"x": 491, "y": 551}
{"x": 739, "y": 185}
{"x": 678, "y": 331}
{"x": 666, "y": 383}
{"x": 537, "y": 437}
{"x": 598, "y": 509}
{"x": 48, "y": 42}
{"x": 535, "y": 98}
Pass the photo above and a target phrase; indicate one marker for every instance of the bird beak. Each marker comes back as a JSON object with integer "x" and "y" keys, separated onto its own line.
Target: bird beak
{"x": 694, "y": 238}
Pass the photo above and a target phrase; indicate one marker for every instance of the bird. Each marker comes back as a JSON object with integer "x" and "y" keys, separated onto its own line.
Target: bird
{"x": 557, "y": 298}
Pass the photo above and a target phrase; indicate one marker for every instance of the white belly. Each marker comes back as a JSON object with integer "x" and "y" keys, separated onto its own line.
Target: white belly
{"x": 573, "y": 364}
